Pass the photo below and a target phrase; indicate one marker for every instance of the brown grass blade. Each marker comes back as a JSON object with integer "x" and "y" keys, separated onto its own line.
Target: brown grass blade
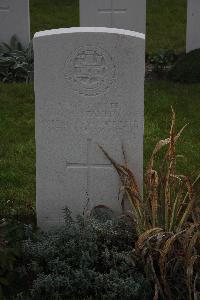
{"x": 177, "y": 203}
{"x": 196, "y": 293}
{"x": 190, "y": 273}
{"x": 158, "y": 286}
{"x": 146, "y": 235}
{"x": 154, "y": 197}
{"x": 165, "y": 251}
{"x": 190, "y": 205}
{"x": 156, "y": 293}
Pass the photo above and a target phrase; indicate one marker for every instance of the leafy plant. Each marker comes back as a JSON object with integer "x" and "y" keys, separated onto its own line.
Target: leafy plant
{"x": 167, "y": 222}
{"x": 16, "y": 62}
{"x": 161, "y": 60}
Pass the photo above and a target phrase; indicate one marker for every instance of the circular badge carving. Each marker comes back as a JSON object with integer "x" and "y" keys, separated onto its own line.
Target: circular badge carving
{"x": 90, "y": 71}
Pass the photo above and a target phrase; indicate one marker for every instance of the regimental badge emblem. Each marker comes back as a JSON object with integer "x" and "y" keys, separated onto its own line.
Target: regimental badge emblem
{"x": 90, "y": 71}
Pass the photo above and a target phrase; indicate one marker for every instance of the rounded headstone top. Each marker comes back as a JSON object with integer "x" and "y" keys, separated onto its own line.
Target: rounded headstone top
{"x": 89, "y": 30}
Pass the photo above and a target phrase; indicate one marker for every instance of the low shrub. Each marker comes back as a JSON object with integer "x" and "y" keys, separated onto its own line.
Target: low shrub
{"x": 161, "y": 60}
{"x": 187, "y": 69}
{"x": 16, "y": 62}
{"x": 11, "y": 234}
{"x": 8, "y": 257}
{"x": 88, "y": 258}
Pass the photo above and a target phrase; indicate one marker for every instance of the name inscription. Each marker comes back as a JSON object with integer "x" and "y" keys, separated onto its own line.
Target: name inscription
{"x": 94, "y": 118}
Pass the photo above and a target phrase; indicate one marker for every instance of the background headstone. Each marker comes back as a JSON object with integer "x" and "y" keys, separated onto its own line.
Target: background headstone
{"x": 122, "y": 14}
{"x": 14, "y": 20}
{"x": 193, "y": 25}
{"x": 89, "y": 88}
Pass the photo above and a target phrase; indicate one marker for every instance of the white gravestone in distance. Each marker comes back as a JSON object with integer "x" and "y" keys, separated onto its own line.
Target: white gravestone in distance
{"x": 122, "y": 14}
{"x": 193, "y": 25}
{"x": 89, "y": 89}
{"x": 14, "y": 20}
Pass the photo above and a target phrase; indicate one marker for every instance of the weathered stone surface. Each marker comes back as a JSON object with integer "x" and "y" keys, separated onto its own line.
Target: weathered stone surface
{"x": 122, "y": 14}
{"x": 14, "y": 20}
{"x": 193, "y": 24}
{"x": 89, "y": 89}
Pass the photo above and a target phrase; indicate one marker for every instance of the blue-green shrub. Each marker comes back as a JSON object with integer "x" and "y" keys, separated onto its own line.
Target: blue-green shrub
{"x": 85, "y": 259}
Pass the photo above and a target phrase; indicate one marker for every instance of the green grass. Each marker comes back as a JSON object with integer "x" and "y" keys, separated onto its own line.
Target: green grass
{"x": 166, "y": 25}
{"x": 17, "y": 152}
{"x": 166, "y": 20}
{"x": 17, "y": 148}
{"x": 49, "y": 14}
{"x": 159, "y": 97}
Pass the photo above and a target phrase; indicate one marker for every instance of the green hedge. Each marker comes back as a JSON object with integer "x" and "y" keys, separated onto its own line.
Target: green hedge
{"x": 187, "y": 69}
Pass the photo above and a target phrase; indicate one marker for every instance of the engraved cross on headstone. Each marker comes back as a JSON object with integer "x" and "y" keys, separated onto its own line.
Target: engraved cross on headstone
{"x": 112, "y": 11}
{"x": 88, "y": 165}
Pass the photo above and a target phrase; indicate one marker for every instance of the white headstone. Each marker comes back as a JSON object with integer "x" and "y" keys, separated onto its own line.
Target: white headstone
{"x": 193, "y": 25}
{"x": 14, "y": 20}
{"x": 89, "y": 89}
{"x": 122, "y": 14}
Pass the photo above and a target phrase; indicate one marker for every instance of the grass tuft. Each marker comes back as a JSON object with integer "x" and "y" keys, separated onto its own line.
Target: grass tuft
{"x": 167, "y": 221}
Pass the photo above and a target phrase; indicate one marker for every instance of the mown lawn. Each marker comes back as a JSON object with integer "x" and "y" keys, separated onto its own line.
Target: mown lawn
{"x": 166, "y": 24}
{"x": 17, "y": 151}
{"x": 49, "y": 14}
{"x": 166, "y": 20}
{"x": 185, "y": 99}
{"x": 17, "y": 147}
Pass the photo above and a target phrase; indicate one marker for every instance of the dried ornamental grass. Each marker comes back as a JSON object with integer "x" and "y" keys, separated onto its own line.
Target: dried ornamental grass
{"x": 167, "y": 222}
